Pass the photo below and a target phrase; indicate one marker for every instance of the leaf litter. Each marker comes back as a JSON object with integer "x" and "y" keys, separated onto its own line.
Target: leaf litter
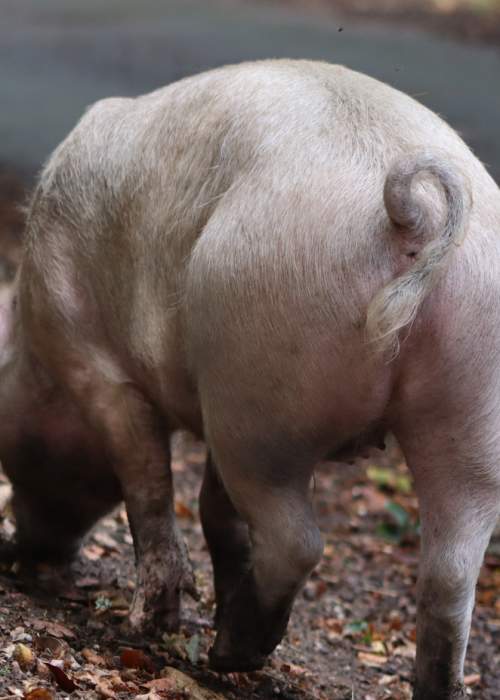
{"x": 352, "y": 632}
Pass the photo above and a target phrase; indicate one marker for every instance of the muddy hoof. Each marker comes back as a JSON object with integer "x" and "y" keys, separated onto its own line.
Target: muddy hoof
{"x": 235, "y": 663}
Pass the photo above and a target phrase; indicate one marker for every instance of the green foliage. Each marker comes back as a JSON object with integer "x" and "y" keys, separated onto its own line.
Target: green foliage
{"x": 399, "y": 526}
{"x": 102, "y": 603}
{"x": 360, "y": 629}
{"x": 193, "y": 649}
{"x": 390, "y": 479}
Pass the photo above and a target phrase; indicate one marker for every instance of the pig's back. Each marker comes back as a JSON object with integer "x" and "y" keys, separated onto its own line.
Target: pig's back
{"x": 166, "y": 158}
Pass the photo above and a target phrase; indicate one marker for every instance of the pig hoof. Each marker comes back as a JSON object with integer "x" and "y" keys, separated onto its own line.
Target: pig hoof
{"x": 154, "y": 610}
{"x": 141, "y": 623}
{"x": 235, "y": 663}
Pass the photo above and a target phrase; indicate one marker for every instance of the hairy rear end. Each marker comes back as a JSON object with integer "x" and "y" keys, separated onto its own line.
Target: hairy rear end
{"x": 417, "y": 232}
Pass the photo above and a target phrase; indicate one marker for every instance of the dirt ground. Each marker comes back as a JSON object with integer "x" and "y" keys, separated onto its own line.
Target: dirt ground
{"x": 352, "y": 633}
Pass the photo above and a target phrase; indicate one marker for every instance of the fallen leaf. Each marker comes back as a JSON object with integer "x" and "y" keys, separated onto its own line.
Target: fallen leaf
{"x": 373, "y": 660}
{"x": 407, "y": 650}
{"x": 160, "y": 684}
{"x": 152, "y": 695}
{"x": 41, "y": 670}
{"x": 182, "y": 511}
{"x": 62, "y": 679}
{"x": 18, "y": 634}
{"x": 136, "y": 658}
{"x": 104, "y": 689}
{"x": 106, "y": 541}
{"x": 87, "y": 582}
{"x": 175, "y": 645}
{"x": 54, "y": 629}
{"x": 56, "y": 647}
{"x": 295, "y": 670}
{"x": 193, "y": 649}
{"x": 378, "y": 647}
{"x": 93, "y": 552}
{"x": 40, "y": 694}
{"x": 24, "y": 656}
{"x": 387, "y": 680}
{"x": 93, "y": 658}
{"x": 472, "y": 679}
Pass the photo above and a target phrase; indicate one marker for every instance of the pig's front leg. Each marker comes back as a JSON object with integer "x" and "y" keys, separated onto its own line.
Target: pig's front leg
{"x": 227, "y": 537}
{"x": 458, "y": 485}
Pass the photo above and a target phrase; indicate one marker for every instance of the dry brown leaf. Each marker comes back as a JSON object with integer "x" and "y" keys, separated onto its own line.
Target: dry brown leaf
{"x": 93, "y": 658}
{"x": 136, "y": 658}
{"x": 93, "y": 552}
{"x": 40, "y": 694}
{"x": 182, "y": 510}
{"x": 24, "y": 656}
{"x": 152, "y": 695}
{"x": 54, "y": 629}
{"x": 56, "y": 647}
{"x": 87, "y": 582}
{"x": 374, "y": 660}
{"x": 103, "y": 687}
{"x": 61, "y": 677}
{"x": 295, "y": 670}
{"x": 160, "y": 684}
{"x": 387, "y": 680}
{"x": 106, "y": 541}
{"x": 472, "y": 679}
{"x": 41, "y": 670}
{"x": 407, "y": 650}
{"x": 378, "y": 647}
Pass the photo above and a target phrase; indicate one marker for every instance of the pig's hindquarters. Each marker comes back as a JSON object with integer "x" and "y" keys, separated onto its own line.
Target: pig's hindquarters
{"x": 276, "y": 341}
{"x": 284, "y": 377}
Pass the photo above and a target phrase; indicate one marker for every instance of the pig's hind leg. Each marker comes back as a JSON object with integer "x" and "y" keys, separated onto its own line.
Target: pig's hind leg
{"x": 270, "y": 491}
{"x": 455, "y": 463}
{"x": 137, "y": 445}
{"x": 141, "y": 455}
{"x": 227, "y": 537}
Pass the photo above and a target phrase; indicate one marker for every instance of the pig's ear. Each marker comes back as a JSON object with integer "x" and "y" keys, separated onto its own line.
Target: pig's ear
{"x": 7, "y": 301}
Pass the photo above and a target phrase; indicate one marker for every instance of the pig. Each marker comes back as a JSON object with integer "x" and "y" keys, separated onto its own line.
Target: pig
{"x": 288, "y": 259}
